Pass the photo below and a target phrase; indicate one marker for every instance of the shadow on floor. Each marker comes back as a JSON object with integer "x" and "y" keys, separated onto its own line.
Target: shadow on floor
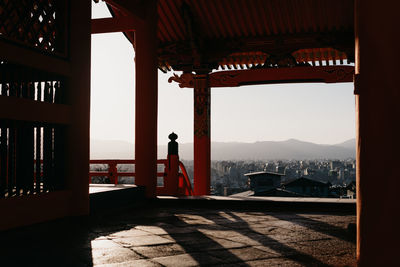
{"x": 197, "y": 244}
{"x": 266, "y": 241}
{"x": 320, "y": 226}
{"x": 202, "y": 235}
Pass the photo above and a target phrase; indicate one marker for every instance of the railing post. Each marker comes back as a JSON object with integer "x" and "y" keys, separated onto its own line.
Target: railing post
{"x": 172, "y": 178}
{"x": 113, "y": 173}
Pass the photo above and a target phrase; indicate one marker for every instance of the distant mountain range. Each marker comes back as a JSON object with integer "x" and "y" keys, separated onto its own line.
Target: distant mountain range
{"x": 266, "y": 150}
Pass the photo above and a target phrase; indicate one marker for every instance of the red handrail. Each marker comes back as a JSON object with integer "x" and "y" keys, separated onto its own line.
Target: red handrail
{"x": 112, "y": 173}
{"x": 186, "y": 179}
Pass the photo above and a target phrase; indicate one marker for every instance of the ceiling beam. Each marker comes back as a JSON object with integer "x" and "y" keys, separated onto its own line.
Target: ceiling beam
{"x": 117, "y": 24}
{"x": 33, "y": 58}
{"x": 15, "y": 108}
{"x": 136, "y": 8}
{"x": 235, "y": 78}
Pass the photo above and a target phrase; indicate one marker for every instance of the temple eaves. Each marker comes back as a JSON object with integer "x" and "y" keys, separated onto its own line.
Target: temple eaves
{"x": 237, "y": 34}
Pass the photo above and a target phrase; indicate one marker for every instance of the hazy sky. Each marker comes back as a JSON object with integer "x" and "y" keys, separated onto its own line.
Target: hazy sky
{"x": 319, "y": 113}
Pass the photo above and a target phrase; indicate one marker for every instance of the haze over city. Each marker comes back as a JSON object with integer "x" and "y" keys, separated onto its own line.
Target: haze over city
{"x": 318, "y": 113}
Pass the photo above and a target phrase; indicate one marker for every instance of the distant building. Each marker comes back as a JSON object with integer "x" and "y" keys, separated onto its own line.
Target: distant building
{"x": 307, "y": 187}
{"x": 335, "y": 164}
{"x": 333, "y": 174}
{"x": 270, "y": 167}
{"x": 280, "y": 169}
{"x": 308, "y": 171}
{"x": 351, "y": 189}
{"x": 263, "y": 181}
{"x": 337, "y": 191}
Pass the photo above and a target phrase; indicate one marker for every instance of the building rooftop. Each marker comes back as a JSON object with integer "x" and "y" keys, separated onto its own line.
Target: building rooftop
{"x": 263, "y": 172}
{"x": 305, "y": 181}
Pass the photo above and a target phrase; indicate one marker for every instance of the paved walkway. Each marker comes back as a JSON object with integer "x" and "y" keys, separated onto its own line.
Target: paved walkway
{"x": 185, "y": 237}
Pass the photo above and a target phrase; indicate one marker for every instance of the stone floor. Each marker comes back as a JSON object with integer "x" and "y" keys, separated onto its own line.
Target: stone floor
{"x": 185, "y": 237}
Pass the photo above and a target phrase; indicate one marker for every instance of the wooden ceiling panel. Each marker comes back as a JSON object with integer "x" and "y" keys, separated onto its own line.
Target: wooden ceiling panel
{"x": 297, "y": 22}
{"x": 220, "y": 9}
{"x": 249, "y": 18}
{"x": 232, "y": 18}
{"x": 266, "y": 28}
{"x": 257, "y": 19}
{"x": 176, "y": 13}
{"x": 170, "y": 21}
{"x": 240, "y": 17}
{"x": 205, "y": 20}
{"x": 288, "y": 17}
{"x": 164, "y": 20}
{"x": 268, "y": 9}
{"x": 219, "y": 22}
{"x": 163, "y": 33}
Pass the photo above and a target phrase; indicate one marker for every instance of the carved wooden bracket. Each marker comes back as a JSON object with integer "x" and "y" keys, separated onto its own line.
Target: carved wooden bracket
{"x": 184, "y": 80}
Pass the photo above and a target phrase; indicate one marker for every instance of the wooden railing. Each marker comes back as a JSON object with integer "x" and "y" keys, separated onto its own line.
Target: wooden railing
{"x": 185, "y": 181}
{"x": 175, "y": 182}
{"x": 33, "y": 117}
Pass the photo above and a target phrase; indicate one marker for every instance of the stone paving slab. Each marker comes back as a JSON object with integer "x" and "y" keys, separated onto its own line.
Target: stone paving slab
{"x": 186, "y": 259}
{"x": 186, "y": 237}
{"x": 141, "y": 263}
{"x": 142, "y": 240}
{"x": 160, "y": 250}
{"x": 242, "y": 254}
{"x": 113, "y": 255}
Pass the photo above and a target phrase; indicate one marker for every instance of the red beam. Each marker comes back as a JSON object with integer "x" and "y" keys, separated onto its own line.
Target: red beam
{"x": 13, "y": 108}
{"x": 325, "y": 74}
{"x": 117, "y": 24}
{"x": 33, "y": 58}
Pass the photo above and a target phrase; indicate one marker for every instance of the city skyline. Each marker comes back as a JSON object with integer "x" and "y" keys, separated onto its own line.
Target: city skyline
{"x": 319, "y": 113}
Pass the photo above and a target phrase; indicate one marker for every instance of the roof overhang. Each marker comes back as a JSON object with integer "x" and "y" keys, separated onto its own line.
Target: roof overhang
{"x": 196, "y": 35}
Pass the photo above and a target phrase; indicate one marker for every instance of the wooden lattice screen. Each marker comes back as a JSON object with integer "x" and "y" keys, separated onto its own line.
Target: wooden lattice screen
{"x": 40, "y": 24}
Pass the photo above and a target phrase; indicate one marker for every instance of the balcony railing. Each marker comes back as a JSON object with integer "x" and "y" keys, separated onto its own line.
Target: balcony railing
{"x": 174, "y": 178}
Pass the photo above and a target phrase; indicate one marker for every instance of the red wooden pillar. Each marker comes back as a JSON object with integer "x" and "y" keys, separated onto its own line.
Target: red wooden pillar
{"x": 202, "y": 141}
{"x": 377, "y": 91}
{"x": 146, "y": 100}
{"x": 78, "y": 96}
